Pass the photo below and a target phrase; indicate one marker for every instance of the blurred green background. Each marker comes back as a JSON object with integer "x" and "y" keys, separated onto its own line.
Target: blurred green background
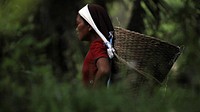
{"x": 41, "y": 57}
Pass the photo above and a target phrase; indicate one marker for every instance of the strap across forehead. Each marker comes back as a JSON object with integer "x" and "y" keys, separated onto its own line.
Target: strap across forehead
{"x": 85, "y": 13}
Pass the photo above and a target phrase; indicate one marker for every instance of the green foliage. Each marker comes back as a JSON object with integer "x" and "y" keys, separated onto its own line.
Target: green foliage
{"x": 53, "y": 97}
{"x": 13, "y": 13}
{"x": 29, "y": 80}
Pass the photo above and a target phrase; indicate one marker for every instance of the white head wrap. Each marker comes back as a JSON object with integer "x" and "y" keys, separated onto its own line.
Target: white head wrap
{"x": 85, "y": 13}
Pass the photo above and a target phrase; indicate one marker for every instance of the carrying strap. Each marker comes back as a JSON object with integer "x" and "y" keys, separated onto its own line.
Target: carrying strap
{"x": 84, "y": 12}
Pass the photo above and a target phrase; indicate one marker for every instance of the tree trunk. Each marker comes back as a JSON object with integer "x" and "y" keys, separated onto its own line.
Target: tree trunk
{"x": 136, "y": 22}
{"x": 56, "y": 19}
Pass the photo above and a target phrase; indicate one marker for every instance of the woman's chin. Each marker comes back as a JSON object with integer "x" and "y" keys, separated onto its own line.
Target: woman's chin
{"x": 83, "y": 39}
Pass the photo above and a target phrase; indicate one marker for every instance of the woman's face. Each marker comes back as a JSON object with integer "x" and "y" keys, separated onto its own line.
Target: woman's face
{"x": 82, "y": 28}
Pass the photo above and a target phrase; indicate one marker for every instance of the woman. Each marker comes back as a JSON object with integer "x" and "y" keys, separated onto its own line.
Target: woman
{"x": 93, "y": 24}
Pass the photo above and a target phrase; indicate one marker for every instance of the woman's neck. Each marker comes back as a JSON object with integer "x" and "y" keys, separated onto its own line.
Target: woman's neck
{"x": 93, "y": 37}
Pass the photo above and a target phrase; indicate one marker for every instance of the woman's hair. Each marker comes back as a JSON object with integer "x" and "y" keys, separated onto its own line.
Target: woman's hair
{"x": 101, "y": 19}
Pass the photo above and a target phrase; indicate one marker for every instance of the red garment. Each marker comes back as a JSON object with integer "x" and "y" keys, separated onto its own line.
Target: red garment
{"x": 97, "y": 50}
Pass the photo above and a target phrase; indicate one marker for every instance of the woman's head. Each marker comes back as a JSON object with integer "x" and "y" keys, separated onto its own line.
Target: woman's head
{"x": 83, "y": 28}
{"x": 100, "y": 18}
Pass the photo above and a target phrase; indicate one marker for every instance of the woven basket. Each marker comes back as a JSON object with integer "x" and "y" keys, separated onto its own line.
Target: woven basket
{"x": 150, "y": 55}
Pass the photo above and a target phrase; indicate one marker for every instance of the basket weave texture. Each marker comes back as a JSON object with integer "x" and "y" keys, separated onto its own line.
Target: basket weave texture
{"x": 150, "y": 55}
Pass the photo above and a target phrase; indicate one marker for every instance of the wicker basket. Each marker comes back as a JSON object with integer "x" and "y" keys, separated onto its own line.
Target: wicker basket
{"x": 150, "y": 55}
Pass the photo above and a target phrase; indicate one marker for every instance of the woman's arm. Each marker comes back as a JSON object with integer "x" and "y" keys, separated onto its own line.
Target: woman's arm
{"x": 103, "y": 72}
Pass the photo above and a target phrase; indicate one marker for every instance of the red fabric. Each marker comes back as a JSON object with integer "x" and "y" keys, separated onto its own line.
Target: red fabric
{"x": 97, "y": 50}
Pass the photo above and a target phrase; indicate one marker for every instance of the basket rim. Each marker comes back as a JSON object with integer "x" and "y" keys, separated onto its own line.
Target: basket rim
{"x": 144, "y": 35}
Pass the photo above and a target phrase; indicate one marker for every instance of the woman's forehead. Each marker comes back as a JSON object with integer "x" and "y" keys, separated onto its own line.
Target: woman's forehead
{"x": 78, "y": 18}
